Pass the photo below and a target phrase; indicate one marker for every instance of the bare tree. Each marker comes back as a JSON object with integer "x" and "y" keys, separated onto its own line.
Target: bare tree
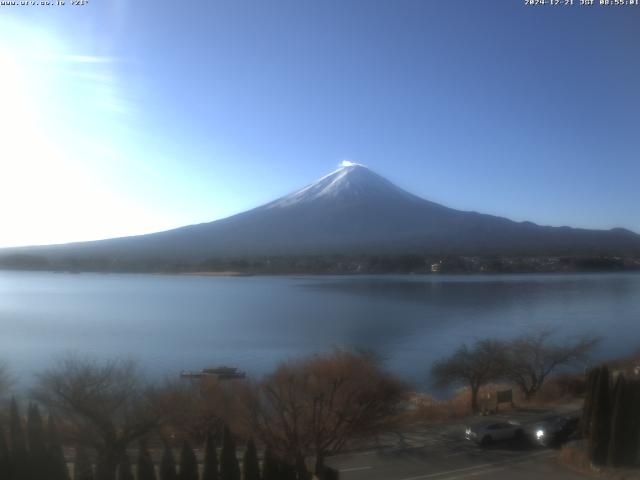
{"x": 105, "y": 403}
{"x": 533, "y": 357}
{"x": 191, "y": 409}
{"x": 185, "y": 410}
{"x": 471, "y": 366}
{"x": 314, "y": 407}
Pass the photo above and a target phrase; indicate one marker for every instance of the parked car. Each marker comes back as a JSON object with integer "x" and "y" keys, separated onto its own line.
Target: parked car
{"x": 488, "y": 432}
{"x": 555, "y": 430}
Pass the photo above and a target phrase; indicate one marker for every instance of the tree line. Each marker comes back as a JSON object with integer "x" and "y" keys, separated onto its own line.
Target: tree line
{"x": 32, "y": 452}
{"x": 526, "y": 361}
{"x": 306, "y": 409}
{"x": 350, "y": 263}
{"x": 35, "y": 453}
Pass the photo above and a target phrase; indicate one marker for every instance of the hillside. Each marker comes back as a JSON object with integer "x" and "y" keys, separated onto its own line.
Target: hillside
{"x": 351, "y": 211}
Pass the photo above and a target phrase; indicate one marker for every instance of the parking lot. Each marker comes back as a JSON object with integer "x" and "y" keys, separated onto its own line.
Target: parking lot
{"x": 441, "y": 453}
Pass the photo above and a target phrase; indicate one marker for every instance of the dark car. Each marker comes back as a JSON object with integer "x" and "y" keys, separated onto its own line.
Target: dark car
{"x": 555, "y": 431}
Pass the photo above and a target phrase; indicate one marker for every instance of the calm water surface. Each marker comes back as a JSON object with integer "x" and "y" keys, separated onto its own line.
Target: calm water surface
{"x": 171, "y": 323}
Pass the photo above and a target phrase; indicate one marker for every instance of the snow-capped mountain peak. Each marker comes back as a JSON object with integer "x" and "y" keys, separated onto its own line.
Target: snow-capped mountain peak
{"x": 349, "y": 182}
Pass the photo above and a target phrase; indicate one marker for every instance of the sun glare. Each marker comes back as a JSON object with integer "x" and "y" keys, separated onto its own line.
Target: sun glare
{"x": 52, "y": 189}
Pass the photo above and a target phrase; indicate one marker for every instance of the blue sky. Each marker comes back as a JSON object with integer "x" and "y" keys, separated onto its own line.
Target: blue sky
{"x": 126, "y": 117}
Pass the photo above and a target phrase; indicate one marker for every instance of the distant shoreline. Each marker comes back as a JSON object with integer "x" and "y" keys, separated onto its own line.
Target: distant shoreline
{"x": 332, "y": 264}
{"x": 232, "y": 274}
{"x": 214, "y": 274}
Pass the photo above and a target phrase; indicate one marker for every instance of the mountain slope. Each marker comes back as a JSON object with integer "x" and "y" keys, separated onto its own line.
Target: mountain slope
{"x": 353, "y": 210}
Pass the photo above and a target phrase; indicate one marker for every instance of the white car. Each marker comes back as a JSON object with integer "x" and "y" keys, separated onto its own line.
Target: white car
{"x": 489, "y": 432}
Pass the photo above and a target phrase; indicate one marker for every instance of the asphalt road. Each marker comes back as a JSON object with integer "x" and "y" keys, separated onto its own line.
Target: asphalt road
{"x": 442, "y": 453}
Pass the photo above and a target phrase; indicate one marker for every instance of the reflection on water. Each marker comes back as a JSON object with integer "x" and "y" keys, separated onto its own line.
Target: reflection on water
{"x": 173, "y": 322}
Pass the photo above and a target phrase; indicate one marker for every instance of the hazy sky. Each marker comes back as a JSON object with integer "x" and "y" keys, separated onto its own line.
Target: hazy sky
{"x": 122, "y": 117}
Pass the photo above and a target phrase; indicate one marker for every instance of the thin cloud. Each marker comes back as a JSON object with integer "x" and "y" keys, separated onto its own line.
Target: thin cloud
{"x": 95, "y": 75}
{"x": 78, "y": 59}
{"x": 86, "y": 59}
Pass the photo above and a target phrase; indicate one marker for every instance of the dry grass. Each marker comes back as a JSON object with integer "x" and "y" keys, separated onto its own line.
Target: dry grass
{"x": 574, "y": 456}
{"x": 559, "y": 390}
{"x": 427, "y": 409}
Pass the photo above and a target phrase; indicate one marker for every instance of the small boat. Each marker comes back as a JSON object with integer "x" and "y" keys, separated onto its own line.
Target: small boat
{"x": 220, "y": 373}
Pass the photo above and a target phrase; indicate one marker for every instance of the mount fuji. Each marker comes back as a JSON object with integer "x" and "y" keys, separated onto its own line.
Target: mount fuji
{"x": 352, "y": 210}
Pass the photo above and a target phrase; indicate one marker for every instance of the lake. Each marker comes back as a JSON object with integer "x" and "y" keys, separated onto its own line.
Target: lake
{"x": 171, "y": 323}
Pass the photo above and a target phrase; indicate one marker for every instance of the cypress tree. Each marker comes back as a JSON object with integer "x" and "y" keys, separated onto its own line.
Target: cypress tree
{"x": 600, "y": 419}
{"x": 270, "y": 466}
{"x": 35, "y": 431}
{"x": 229, "y": 468}
{"x": 19, "y": 455}
{"x": 38, "y": 458}
{"x": 57, "y": 463}
{"x": 102, "y": 470}
{"x": 590, "y": 385}
{"x": 250, "y": 464}
{"x": 16, "y": 433}
{"x": 625, "y": 424}
{"x": 168, "y": 465}
{"x": 287, "y": 471}
{"x": 633, "y": 444}
{"x": 210, "y": 469}
{"x": 145, "y": 468}
{"x": 188, "y": 463}
{"x": 329, "y": 473}
{"x": 124, "y": 468}
{"x": 5, "y": 458}
{"x": 617, "y": 435}
{"x": 82, "y": 469}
